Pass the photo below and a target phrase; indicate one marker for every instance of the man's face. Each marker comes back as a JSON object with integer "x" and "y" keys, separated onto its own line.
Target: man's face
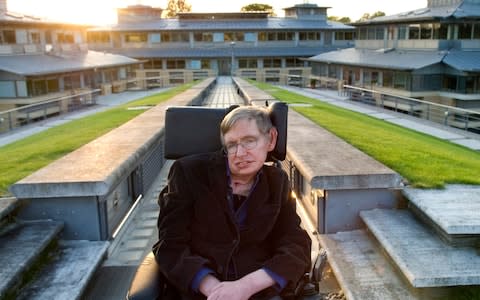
{"x": 247, "y": 147}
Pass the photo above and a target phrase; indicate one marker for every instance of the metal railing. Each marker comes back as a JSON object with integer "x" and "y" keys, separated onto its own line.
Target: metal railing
{"x": 464, "y": 119}
{"x": 27, "y": 114}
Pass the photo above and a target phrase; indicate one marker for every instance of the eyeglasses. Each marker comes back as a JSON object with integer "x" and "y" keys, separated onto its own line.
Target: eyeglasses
{"x": 247, "y": 144}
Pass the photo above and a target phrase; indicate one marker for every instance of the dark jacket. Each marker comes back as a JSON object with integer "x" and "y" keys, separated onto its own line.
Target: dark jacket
{"x": 197, "y": 228}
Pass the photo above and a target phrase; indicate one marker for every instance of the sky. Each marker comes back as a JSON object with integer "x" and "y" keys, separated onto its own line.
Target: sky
{"x": 102, "y": 12}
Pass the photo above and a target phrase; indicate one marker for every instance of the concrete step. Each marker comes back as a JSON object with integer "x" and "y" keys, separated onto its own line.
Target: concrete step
{"x": 361, "y": 270}
{"x": 452, "y": 212}
{"x": 424, "y": 259}
{"x": 20, "y": 246}
{"x": 67, "y": 276}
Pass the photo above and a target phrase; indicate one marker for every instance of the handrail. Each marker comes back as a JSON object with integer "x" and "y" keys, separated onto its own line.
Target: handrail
{"x": 411, "y": 99}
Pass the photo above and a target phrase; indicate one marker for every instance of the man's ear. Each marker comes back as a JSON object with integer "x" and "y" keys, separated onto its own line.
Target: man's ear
{"x": 273, "y": 138}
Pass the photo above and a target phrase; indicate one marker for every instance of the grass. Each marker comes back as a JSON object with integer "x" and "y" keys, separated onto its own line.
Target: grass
{"x": 424, "y": 161}
{"x": 22, "y": 158}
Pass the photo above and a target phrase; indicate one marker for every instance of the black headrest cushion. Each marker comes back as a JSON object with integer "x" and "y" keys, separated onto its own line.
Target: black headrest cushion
{"x": 193, "y": 129}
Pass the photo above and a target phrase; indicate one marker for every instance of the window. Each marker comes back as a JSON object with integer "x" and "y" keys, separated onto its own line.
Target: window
{"x": 400, "y": 80}
{"x": 426, "y": 31}
{"x": 476, "y": 32}
{"x": 175, "y": 64}
{"x": 136, "y": 38}
{"x": 180, "y": 37}
{"x": 250, "y": 37}
{"x": 309, "y": 36}
{"x": 414, "y": 32}
{"x": 272, "y": 63}
{"x": 440, "y": 31}
{"x": 203, "y": 37}
{"x": 155, "y": 38}
{"x": 205, "y": 64}
{"x": 402, "y": 32}
{"x": 65, "y": 38}
{"x": 362, "y": 33}
{"x": 465, "y": 31}
{"x": 247, "y": 63}
{"x": 7, "y": 37}
{"x": 387, "y": 79}
{"x": 34, "y": 37}
{"x": 98, "y": 37}
{"x": 379, "y": 33}
{"x": 293, "y": 62}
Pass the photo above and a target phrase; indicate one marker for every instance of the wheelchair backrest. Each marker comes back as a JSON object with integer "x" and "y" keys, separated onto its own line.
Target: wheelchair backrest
{"x": 194, "y": 129}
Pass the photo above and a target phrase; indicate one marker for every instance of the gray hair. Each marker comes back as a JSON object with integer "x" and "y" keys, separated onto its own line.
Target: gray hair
{"x": 257, "y": 113}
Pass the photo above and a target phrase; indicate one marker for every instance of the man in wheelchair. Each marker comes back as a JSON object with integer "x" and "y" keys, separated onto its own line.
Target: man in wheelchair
{"x": 228, "y": 228}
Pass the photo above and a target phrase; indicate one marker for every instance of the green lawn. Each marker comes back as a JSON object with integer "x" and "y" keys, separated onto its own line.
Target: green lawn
{"x": 21, "y": 158}
{"x": 424, "y": 161}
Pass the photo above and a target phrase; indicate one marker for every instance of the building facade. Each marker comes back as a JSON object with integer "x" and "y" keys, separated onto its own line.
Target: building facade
{"x": 41, "y": 59}
{"x": 196, "y": 45}
{"x": 431, "y": 53}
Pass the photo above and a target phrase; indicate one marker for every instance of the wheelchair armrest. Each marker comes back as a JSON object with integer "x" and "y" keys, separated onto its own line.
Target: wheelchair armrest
{"x": 148, "y": 282}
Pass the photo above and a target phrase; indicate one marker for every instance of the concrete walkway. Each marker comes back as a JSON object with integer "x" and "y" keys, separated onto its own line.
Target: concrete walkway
{"x": 103, "y": 103}
{"x": 460, "y": 137}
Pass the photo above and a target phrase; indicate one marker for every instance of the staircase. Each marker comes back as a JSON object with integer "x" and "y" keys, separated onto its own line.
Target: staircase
{"x": 37, "y": 264}
{"x": 421, "y": 252}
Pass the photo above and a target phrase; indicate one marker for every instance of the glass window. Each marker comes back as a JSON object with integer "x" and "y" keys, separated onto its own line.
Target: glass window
{"x": 155, "y": 38}
{"x": 218, "y": 37}
{"x": 180, "y": 37}
{"x": 137, "y": 37}
{"x": 426, "y": 31}
{"x": 400, "y": 80}
{"x": 205, "y": 64}
{"x": 465, "y": 31}
{"x": 175, "y": 64}
{"x": 371, "y": 33}
{"x": 379, "y": 33}
{"x": 229, "y": 36}
{"x": 247, "y": 63}
{"x": 34, "y": 37}
{"x": 387, "y": 79}
{"x": 402, "y": 32}
{"x": 414, "y": 32}
{"x": 272, "y": 63}
{"x": 250, "y": 37}
{"x": 203, "y": 37}
{"x": 476, "y": 32}
{"x": 340, "y": 36}
{"x": 440, "y": 31}
{"x": 362, "y": 33}
{"x": 262, "y": 36}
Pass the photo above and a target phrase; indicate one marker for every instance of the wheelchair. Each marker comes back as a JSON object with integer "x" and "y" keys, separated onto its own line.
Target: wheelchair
{"x": 193, "y": 129}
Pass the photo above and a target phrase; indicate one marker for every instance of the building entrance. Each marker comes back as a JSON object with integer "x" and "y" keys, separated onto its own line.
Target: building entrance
{"x": 224, "y": 67}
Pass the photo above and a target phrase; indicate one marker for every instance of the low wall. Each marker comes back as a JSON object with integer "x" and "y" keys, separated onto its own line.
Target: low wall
{"x": 92, "y": 188}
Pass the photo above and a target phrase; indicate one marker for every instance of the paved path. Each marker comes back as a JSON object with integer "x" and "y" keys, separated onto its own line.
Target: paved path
{"x": 460, "y": 137}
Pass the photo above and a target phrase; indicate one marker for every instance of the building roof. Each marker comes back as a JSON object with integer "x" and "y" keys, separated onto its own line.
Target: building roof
{"x": 467, "y": 61}
{"x": 18, "y": 18}
{"x": 395, "y": 59}
{"x": 285, "y": 24}
{"x": 464, "y": 10}
{"x": 222, "y": 52}
{"x": 42, "y": 64}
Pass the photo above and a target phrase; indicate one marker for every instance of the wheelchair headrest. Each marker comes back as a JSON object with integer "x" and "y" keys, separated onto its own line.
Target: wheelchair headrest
{"x": 193, "y": 129}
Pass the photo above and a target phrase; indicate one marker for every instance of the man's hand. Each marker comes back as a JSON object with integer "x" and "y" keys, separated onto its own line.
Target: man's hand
{"x": 241, "y": 289}
{"x": 231, "y": 290}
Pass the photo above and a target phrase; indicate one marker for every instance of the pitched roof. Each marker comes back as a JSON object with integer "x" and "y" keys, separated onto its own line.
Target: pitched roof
{"x": 395, "y": 59}
{"x": 285, "y": 24}
{"x": 222, "y": 52}
{"x": 41, "y": 64}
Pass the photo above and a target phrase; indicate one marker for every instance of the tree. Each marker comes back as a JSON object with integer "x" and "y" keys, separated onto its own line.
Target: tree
{"x": 343, "y": 20}
{"x": 259, "y": 7}
{"x": 367, "y": 16}
{"x": 177, "y": 6}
